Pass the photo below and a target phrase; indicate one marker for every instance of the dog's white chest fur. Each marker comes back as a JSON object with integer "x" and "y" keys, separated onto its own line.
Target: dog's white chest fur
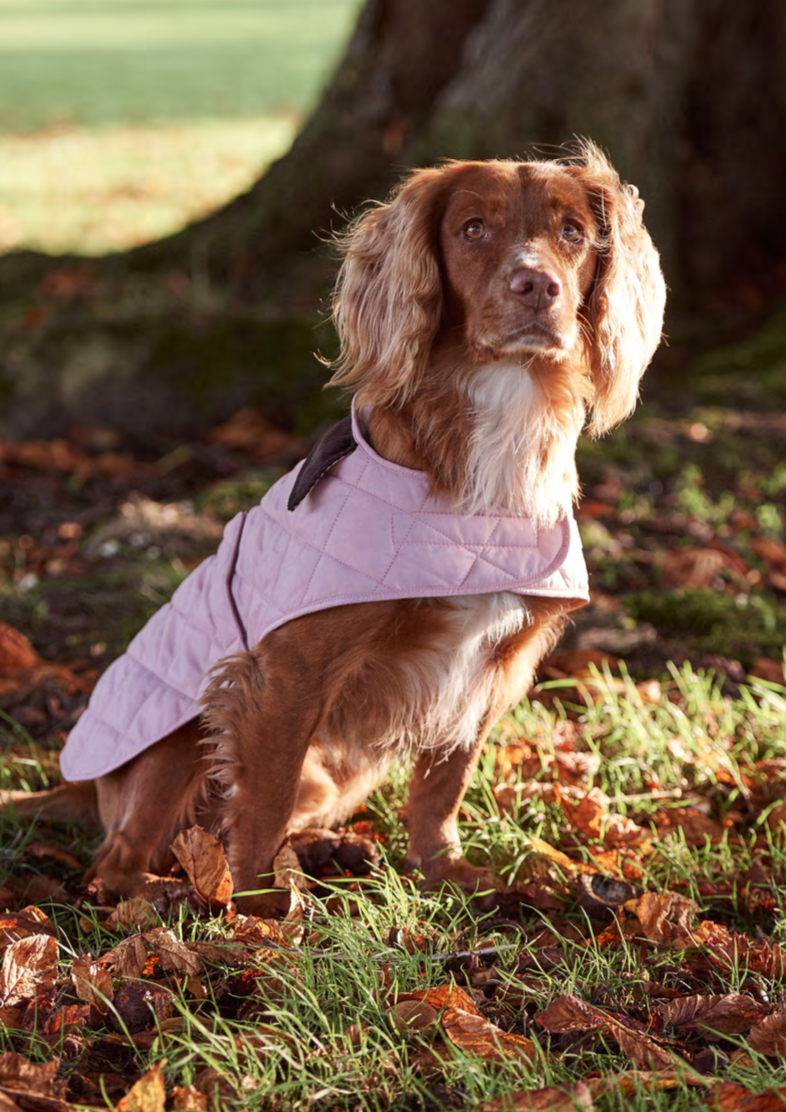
{"x": 437, "y": 694}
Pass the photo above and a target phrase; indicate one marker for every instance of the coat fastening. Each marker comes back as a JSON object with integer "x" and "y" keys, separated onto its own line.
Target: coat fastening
{"x": 345, "y": 526}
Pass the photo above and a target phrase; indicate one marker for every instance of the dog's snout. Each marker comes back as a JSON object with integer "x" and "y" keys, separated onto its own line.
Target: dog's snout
{"x": 536, "y": 288}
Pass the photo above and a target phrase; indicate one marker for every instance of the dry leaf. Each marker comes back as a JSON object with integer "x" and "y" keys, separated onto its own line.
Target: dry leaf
{"x": 769, "y": 1036}
{"x": 148, "y": 1095}
{"x": 132, "y": 914}
{"x": 22, "y": 924}
{"x": 731, "y": 1097}
{"x": 555, "y": 1098}
{"x": 413, "y": 1015}
{"x": 569, "y": 1013}
{"x": 175, "y": 956}
{"x": 28, "y": 966}
{"x": 665, "y": 918}
{"x": 627, "y": 1081}
{"x": 729, "y": 1014}
{"x": 476, "y": 1035}
{"x": 129, "y": 957}
{"x": 19, "y": 1075}
{"x": 187, "y": 1098}
{"x": 203, "y": 859}
{"x": 93, "y": 983}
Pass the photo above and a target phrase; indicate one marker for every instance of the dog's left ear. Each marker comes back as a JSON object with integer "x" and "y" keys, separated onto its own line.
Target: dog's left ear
{"x": 624, "y": 311}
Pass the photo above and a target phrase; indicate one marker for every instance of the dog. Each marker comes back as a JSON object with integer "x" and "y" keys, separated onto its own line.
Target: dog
{"x": 399, "y": 590}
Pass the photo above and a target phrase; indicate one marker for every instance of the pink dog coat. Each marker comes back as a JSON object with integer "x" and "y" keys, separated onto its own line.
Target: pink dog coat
{"x": 344, "y": 526}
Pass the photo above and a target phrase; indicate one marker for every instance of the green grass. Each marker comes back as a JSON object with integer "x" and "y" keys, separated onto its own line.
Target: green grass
{"x": 278, "y": 1034}
{"x": 94, "y": 62}
{"x": 122, "y": 122}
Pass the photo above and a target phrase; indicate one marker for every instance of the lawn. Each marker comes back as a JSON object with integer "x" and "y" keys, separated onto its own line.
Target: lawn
{"x": 121, "y": 122}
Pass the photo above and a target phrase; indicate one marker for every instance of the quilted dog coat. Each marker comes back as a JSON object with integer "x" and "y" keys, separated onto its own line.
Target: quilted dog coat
{"x": 345, "y": 526}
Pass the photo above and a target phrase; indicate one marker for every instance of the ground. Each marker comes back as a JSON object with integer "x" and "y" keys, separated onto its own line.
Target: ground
{"x": 632, "y": 808}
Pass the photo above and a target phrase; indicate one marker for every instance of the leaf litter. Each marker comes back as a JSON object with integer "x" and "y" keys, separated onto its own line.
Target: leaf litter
{"x": 632, "y": 944}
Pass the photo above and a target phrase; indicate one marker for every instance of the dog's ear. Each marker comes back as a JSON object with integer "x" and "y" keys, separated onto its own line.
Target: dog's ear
{"x": 388, "y": 298}
{"x": 624, "y": 311}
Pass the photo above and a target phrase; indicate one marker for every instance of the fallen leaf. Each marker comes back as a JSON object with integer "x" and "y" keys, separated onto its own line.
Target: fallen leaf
{"x": 29, "y": 965}
{"x": 19, "y": 1075}
{"x": 93, "y": 983}
{"x": 413, "y": 1015}
{"x": 138, "y": 1005}
{"x": 22, "y": 924}
{"x": 628, "y": 1081}
{"x": 769, "y": 1036}
{"x": 202, "y": 857}
{"x": 129, "y": 957}
{"x": 731, "y": 1097}
{"x": 664, "y": 917}
{"x": 147, "y": 1095}
{"x": 476, "y": 1035}
{"x": 554, "y": 1098}
{"x": 174, "y": 955}
{"x": 729, "y": 1014}
{"x": 187, "y": 1098}
{"x": 569, "y": 1013}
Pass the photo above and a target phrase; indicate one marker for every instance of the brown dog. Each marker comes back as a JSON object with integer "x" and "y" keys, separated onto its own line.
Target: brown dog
{"x": 486, "y": 313}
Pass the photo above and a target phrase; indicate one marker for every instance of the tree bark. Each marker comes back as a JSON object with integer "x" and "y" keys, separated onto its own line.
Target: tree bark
{"x": 686, "y": 96}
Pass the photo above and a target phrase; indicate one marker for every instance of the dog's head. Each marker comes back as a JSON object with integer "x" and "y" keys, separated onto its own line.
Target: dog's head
{"x": 546, "y": 263}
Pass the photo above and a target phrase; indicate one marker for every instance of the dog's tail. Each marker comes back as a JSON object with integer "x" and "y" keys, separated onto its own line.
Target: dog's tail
{"x": 67, "y": 803}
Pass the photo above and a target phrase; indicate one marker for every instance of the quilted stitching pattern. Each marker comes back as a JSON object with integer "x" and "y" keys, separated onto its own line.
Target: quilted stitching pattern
{"x": 368, "y": 530}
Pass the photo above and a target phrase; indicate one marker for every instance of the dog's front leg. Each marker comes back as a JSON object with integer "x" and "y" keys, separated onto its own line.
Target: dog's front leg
{"x": 436, "y": 790}
{"x": 263, "y": 719}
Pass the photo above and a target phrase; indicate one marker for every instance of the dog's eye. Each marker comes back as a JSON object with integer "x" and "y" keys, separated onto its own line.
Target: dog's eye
{"x": 475, "y": 229}
{"x": 572, "y": 233}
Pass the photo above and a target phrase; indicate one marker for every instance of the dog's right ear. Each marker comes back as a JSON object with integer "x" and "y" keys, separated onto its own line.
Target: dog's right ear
{"x": 387, "y": 303}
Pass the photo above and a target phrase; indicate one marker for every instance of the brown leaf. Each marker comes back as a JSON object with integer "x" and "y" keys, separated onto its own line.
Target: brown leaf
{"x": 665, "y": 918}
{"x": 765, "y": 668}
{"x": 43, "y": 849}
{"x": 569, "y": 1013}
{"x": 769, "y": 1036}
{"x": 628, "y": 1081}
{"x": 147, "y": 1095}
{"x": 476, "y": 1035}
{"x": 93, "y": 983}
{"x": 250, "y": 431}
{"x": 187, "y": 1098}
{"x": 22, "y": 924}
{"x": 19, "y": 1075}
{"x": 28, "y": 966}
{"x": 413, "y": 1015}
{"x": 16, "y": 652}
{"x": 729, "y": 1014}
{"x": 132, "y": 914}
{"x": 138, "y": 1005}
{"x": 202, "y": 857}
{"x": 129, "y": 957}
{"x": 554, "y": 1098}
{"x": 592, "y": 817}
{"x": 175, "y": 956}
{"x": 11, "y": 1018}
{"x": 700, "y": 567}
{"x": 731, "y": 1097}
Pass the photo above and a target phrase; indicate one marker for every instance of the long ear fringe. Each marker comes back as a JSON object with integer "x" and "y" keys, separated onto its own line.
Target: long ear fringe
{"x": 625, "y": 310}
{"x": 387, "y": 302}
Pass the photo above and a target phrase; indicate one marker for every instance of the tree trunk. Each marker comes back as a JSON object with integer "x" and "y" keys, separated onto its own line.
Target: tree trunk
{"x": 686, "y": 96}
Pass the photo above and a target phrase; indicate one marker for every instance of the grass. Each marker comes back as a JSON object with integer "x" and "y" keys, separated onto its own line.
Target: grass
{"x": 122, "y": 122}
{"x": 314, "y": 1025}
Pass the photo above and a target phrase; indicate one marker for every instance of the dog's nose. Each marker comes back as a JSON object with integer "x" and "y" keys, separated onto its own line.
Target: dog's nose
{"x": 536, "y": 288}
